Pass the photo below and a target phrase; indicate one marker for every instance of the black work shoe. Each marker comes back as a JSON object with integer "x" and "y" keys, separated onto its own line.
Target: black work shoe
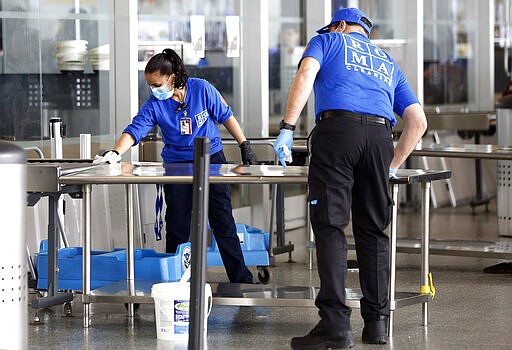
{"x": 376, "y": 331}
{"x": 319, "y": 338}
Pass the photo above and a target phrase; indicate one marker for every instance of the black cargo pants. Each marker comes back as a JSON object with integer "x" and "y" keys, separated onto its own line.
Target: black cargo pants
{"x": 349, "y": 172}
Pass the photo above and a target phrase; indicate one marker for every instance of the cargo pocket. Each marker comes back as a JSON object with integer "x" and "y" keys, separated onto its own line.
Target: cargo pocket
{"x": 323, "y": 209}
{"x": 388, "y": 213}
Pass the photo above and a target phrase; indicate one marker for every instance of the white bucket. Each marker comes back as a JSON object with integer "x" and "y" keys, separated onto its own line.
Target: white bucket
{"x": 172, "y": 309}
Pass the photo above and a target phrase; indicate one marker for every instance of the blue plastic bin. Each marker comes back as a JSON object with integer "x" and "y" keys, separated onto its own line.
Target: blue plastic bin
{"x": 110, "y": 266}
{"x": 254, "y": 243}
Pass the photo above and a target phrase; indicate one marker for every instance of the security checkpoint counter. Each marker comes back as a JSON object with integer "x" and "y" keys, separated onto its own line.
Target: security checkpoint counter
{"x": 132, "y": 291}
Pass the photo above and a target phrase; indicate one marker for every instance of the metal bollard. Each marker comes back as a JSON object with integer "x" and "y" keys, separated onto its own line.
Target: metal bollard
{"x": 56, "y": 137}
{"x": 198, "y": 237}
{"x": 85, "y": 146}
{"x": 13, "y": 263}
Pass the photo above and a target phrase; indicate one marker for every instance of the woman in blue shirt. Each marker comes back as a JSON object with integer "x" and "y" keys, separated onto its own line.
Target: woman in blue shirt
{"x": 185, "y": 108}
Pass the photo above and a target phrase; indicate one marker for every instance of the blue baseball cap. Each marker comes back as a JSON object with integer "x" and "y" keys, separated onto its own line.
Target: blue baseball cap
{"x": 351, "y": 15}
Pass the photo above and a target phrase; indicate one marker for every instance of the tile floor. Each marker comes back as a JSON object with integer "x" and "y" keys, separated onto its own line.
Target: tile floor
{"x": 471, "y": 310}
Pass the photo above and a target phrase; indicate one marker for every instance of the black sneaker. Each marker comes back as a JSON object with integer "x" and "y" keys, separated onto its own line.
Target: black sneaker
{"x": 319, "y": 338}
{"x": 376, "y": 331}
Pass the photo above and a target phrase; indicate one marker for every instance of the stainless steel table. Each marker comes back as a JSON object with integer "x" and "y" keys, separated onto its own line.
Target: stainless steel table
{"x": 472, "y": 151}
{"x": 469, "y": 121}
{"x": 484, "y": 249}
{"x": 43, "y": 181}
{"x": 133, "y": 291}
{"x": 469, "y": 248}
{"x": 158, "y": 173}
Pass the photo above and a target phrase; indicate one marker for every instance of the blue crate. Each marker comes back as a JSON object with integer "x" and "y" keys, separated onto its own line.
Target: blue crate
{"x": 110, "y": 266}
{"x": 254, "y": 243}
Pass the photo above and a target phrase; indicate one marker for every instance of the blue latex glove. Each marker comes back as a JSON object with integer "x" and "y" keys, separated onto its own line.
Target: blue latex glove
{"x": 283, "y": 145}
{"x": 392, "y": 173}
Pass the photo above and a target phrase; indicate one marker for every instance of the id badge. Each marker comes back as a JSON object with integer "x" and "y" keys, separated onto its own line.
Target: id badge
{"x": 186, "y": 126}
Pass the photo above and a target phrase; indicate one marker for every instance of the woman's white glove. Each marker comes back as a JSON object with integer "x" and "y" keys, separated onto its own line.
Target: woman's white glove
{"x": 110, "y": 157}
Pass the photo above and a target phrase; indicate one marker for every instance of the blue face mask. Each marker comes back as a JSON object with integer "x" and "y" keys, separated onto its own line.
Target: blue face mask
{"x": 162, "y": 93}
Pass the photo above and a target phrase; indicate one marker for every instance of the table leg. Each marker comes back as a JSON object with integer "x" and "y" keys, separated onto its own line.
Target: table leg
{"x": 425, "y": 245}
{"x": 130, "y": 269}
{"x": 392, "y": 258}
{"x": 480, "y": 198}
{"x": 86, "y": 255}
{"x": 281, "y": 247}
{"x": 53, "y": 245}
{"x": 310, "y": 244}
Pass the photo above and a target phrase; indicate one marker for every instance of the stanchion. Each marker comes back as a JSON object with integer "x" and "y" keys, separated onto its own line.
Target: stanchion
{"x": 56, "y": 137}
{"x": 198, "y": 237}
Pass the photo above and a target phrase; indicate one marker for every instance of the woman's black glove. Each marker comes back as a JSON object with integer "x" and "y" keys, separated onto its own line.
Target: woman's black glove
{"x": 248, "y": 155}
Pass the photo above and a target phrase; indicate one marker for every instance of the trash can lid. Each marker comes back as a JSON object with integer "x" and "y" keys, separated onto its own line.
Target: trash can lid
{"x": 11, "y": 153}
{"x": 505, "y": 102}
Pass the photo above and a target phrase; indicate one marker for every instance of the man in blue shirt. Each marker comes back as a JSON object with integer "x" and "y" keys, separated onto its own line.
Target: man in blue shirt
{"x": 358, "y": 89}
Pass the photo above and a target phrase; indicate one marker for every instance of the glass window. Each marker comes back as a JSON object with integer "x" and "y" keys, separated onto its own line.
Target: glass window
{"x": 51, "y": 66}
{"x": 453, "y": 78}
{"x": 502, "y": 48}
{"x": 446, "y": 53}
{"x": 456, "y": 48}
{"x": 286, "y": 45}
{"x": 387, "y": 17}
{"x": 201, "y": 29}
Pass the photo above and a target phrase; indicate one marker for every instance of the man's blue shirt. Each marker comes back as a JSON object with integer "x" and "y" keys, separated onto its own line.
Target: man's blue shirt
{"x": 357, "y": 76}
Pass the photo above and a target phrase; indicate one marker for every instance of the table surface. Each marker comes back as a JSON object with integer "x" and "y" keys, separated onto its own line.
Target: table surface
{"x": 150, "y": 173}
{"x": 473, "y": 151}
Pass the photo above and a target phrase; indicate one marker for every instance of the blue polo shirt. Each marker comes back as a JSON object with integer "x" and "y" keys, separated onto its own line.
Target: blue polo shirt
{"x": 204, "y": 109}
{"x": 357, "y": 76}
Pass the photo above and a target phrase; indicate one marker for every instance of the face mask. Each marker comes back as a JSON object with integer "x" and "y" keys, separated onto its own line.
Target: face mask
{"x": 162, "y": 93}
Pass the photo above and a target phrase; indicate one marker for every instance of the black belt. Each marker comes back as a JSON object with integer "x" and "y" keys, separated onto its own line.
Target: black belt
{"x": 364, "y": 118}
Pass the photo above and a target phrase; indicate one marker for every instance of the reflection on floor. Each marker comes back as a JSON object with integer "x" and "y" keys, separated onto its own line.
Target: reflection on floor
{"x": 471, "y": 310}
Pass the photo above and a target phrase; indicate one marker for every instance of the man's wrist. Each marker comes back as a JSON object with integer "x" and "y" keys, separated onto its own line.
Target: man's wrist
{"x": 286, "y": 126}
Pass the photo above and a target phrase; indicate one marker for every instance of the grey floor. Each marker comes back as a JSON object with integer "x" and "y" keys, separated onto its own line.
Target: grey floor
{"x": 471, "y": 309}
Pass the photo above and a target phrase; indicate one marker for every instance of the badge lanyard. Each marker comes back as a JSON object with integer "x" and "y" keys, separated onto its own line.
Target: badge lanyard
{"x": 159, "y": 203}
{"x": 185, "y": 121}
{"x": 185, "y": 125}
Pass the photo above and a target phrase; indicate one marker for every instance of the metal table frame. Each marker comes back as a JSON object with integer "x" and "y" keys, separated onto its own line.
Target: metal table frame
{"x": 42, "y": 181}
{"x": 184, "y": 176}
{"x": 250, "y": 175}
{"x": 463, "y": 248}
{"x": 425, "y": 178}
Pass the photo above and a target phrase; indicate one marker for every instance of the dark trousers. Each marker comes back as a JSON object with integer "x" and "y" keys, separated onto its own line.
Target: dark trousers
{"x": 178, "y": 199}
{"x": 349, "y": 171}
